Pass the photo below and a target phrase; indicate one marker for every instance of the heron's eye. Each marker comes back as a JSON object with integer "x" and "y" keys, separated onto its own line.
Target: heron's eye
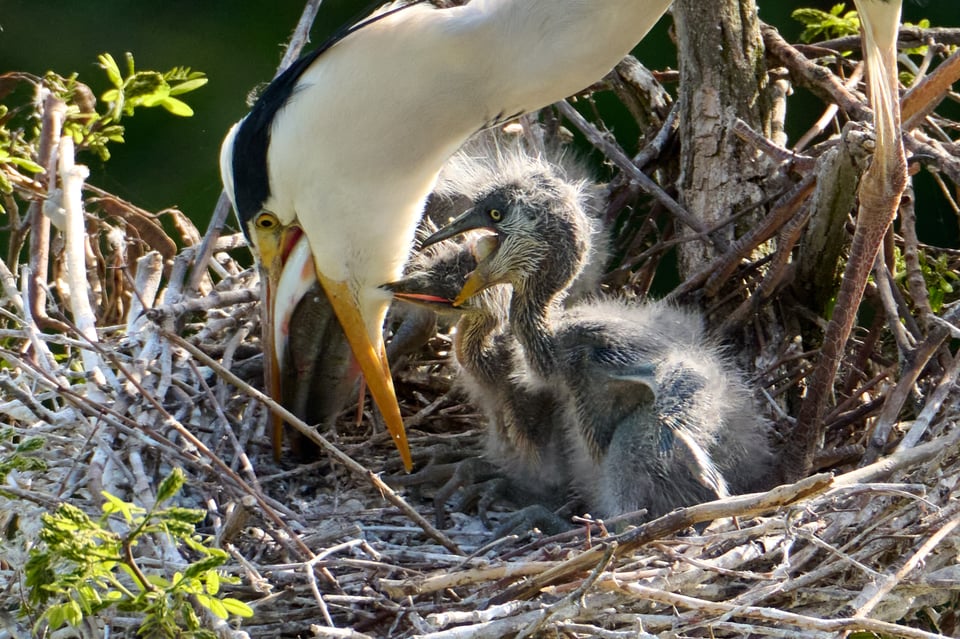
{"x": 267, "y": 221}
{"x": 496, "y": 215}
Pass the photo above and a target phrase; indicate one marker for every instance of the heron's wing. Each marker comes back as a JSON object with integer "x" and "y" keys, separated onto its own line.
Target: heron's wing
{"x": 680, "y": 408}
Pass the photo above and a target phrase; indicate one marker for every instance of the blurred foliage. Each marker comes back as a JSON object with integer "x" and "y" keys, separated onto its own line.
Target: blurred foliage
{"x": 91, "y": 129}
{"x": 938, "y": 275}
{"x": 20, "y": 455}
{"x": 82, "y": 567}
{"x": 824, "y": 25}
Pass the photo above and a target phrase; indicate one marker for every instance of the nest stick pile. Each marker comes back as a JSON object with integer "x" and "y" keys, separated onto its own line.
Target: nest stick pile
{"x": 122, "y": 370}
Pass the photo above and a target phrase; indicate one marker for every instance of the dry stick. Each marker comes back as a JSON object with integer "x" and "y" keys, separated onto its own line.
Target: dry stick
{"x": 891, "y": 581}
{"x": 72, "y": 177}
{"x": 790, "y": 234}
{"x": 771, "y": 615}
{"x": 911, "y": 257}
{"x": 901, "y": 459}
{"x": 941, "y": 155}
{"x": 908, "y": 38}
{"x": 43, "y": 355}
{"x": 680, "y": 519}
{"x": 828, "y": 114}
{"x": 623, "y": 162}
{"x": 445, "y": 579}
{"x": 739, "y": 506}
{"x": 557, "y": 610}
{"x": 819, "y": 80}
{"x": 195, "y": 442}
{"x": 934, "y": 402}
{"x": 922, "y": 99}
{"x": 245, "y": 462}
{"x": 54, "y": 111}
{"x": 880, "y": 191}
{"x": 918, "y": 359}
{"x": 348, "y": 462}
{"x": 301, "y": 34}
{"x": 883, "y": 286}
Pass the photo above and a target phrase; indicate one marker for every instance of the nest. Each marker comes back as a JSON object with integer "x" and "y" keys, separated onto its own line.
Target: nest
{"x": 162, "y": 371}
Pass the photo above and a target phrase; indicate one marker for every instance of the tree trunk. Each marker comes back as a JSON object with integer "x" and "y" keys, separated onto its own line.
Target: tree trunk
{"x": 723, "y": 76}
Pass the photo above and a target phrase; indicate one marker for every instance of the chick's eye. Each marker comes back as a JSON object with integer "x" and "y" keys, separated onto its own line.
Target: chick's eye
{"x": 267, "y": 221}
{"x": 496, "y": 215}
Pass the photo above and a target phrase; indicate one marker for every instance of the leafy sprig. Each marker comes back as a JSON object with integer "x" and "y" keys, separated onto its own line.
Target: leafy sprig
{"x": 83, "y": 566}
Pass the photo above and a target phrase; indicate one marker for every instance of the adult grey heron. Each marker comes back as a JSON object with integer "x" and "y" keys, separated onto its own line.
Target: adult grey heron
{"x": 660, "y": 418}
{"x": 340, "y": 151}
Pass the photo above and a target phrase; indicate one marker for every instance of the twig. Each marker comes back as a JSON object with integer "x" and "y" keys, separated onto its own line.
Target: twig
{"x": 72, "y": 177}
{"x": 772, "y": 615}
{"x": 344, "y": 459}
{"x": 623, "y": 162}
{"x": 879, "y": 592}
{"x": 680, "y": 519}
{"x": 934, "y": 402}
{"x": 922, "y": 99}
{"x": 54, "y": 111}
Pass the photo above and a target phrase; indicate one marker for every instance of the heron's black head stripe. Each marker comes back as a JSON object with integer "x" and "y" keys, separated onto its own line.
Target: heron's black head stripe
{"x": 251, "y": 182}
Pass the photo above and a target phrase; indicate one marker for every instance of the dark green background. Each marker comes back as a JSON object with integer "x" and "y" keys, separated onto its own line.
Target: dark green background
{"x": 169, "y": 161}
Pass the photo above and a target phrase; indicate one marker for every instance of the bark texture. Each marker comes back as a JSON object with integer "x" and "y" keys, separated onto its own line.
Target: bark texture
{"x": 723, "y": 76}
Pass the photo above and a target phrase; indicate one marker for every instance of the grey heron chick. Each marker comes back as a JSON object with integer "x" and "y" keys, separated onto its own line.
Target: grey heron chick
{"x": 341, "y": 150}
{"x": 483, "y": 161}
{"x": 660, "y": 418}
{"x": 524, "y": 435}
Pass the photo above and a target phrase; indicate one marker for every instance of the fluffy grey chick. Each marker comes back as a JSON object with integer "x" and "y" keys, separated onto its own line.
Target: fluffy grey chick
{"x": 524, "y": 436}
{"x": 478, "y": 166}
{"x": 658, "y": 417}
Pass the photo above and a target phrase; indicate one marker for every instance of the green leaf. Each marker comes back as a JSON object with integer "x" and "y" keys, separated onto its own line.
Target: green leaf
{"x": 56, "y": 616}
{"x": 33, "y": 443}
{"x": 27, "y": 165}
{"x": 176, "y": 107}
{"x": 115, "y": 505}
{"x": 236, "y": 607}
{"x": 213, "y": 582}
{"x": 113, "y": 71}
{"x": 213, "y": 605}
{"x": 188, "y": 85}
{"x": 198, "y": 568}
{"x": 183, "y": 515}
{"x": 171, "y": 485}
{"x": 158, "y": 581}
{"x": 65, "y": 613}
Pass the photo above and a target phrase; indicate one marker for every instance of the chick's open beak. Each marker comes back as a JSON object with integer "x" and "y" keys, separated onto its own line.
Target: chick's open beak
{"x": 290, "y": 273}
{"x": 485, "y": 250}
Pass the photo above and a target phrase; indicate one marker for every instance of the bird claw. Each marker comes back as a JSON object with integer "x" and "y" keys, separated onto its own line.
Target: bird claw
{"x": 466, "y": 474}
{"x": 532, "y": 517}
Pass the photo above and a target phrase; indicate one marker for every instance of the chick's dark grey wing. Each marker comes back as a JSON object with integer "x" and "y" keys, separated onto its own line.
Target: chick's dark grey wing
{"x": 682, "y": 411}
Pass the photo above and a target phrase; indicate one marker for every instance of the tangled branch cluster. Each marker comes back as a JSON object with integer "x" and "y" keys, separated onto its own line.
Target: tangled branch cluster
{"x": 128, "y": 355}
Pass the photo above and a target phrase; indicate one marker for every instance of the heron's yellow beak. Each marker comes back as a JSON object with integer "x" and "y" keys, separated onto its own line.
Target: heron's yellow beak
{"x": 371, "y": 355}
{"x": 289, "y": 271}
{"x": 272, "y": 246}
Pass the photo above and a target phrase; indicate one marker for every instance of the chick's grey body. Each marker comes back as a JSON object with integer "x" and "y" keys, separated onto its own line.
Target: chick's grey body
{"x": 662, "y": 418}
{"x": 656, "y": 417}
{"x": 524, "y": 436}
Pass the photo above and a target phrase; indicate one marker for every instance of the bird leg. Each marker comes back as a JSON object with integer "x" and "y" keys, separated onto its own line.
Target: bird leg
{"x": 880, "y": 191}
